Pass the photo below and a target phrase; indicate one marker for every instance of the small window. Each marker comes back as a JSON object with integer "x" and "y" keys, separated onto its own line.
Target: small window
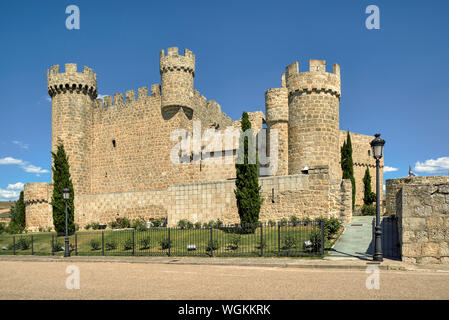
{"x": 369, "y": 153}
{"x": 113, "y": 143}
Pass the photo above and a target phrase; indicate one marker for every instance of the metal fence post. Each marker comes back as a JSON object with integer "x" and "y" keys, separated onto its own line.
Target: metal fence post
{"x": 102, "y": 243}
{"x": 14, "y": 244}
{"x": 52, "y": 244}
{"x": 261, "y": 239}
{"x": 322, "y": 236}
{"x": 169, "y": 243}
{"x": 32, "y": 246}
{"x": 76, "y": 244}
{"x": 133, "y": 242}
{"x": 279, "y": 238}
{"x": 211, "y": 243}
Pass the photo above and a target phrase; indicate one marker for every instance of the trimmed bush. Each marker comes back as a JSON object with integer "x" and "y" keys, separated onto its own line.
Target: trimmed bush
{"x": 368, "y": 210}
{"x": 215, "y": 245}
{"x": 111, "y": 245}
{"x": 198, "y": 225}
{"x": 95, "y": 225}
{"x": 185, "y": 224}
{"x": 95, "y": 244}
{"x": 23, "y": 243}
{"x": 165, "y": 244}
{"x": 294, "y": 220}
{"x": 315, "y": 238}
{"x": 139, "y": 225}
{"x": 128, "y": 244}
{"x": 157, "y": 222}
{"x": 289, "y": 242}
{"x": 271, "y": 223}
{"x": 234, "y": 241}
{"x": 145, "y": 243}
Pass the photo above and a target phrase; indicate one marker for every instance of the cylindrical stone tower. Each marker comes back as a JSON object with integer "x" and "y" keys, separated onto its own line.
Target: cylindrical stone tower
{"x": 276, "y": 109}
{"x": 73, "y": 94}
{"x": 313, "y": 127}
{"x": 177, "y": 74}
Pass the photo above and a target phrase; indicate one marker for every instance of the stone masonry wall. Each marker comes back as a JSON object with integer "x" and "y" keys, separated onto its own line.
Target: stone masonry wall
{"x": 423, "y": 215}
{"x": 303, "y": 195}
{"x": 39, "y": 212}
{"x": 393, "y": 186}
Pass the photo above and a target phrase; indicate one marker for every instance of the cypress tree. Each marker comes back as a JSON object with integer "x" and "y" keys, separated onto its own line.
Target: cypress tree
{"x": 61, "y": 180}
{"x": 247, "y": 191}
{"x": 368, "y": 196}
{"x": 17, "y": 215}
{"x": 347, "y": 165}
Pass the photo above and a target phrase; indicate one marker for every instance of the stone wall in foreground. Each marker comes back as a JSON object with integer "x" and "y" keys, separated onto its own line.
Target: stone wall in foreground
{"x": 423, "y": 217}
{"x": 302, "y": 195}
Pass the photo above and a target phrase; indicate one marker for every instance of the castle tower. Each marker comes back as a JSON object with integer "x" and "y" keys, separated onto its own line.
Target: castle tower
{"x": 177, "y": 74}
{"x": 73, "y": 94}
{"x": 313, "y": 135}
{"x": 276, "y": 110}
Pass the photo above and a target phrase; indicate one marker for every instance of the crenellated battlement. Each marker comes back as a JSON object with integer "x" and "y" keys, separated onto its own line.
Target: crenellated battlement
{"x": 71, "y": 80}
{"x": 118, "y": 99}
{"x": 315, "y": 80}
{"x": 173, "y": 61}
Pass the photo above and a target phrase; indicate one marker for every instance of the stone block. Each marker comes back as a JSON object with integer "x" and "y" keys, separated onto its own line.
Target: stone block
{"x": 431, "y": 249}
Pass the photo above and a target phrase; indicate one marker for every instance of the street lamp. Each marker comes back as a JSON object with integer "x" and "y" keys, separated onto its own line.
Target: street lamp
{"x": 66, "y": 196}
{"x": 377, "y": 145}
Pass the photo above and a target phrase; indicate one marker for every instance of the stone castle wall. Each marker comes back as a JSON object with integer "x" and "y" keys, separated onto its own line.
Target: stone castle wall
{"x": 393, "y": 186}
{"x": 423, "y": 215}
{"x": 39, "y": 212}
{"x": 304, "y": 195}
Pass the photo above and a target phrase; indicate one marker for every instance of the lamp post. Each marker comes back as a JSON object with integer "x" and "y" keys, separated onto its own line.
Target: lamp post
{"x": 66, "y": 196}
{"x": 377, "y": 145}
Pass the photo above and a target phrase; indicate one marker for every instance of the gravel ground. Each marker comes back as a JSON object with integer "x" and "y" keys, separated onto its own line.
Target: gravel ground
{"x": 121, "y": 280}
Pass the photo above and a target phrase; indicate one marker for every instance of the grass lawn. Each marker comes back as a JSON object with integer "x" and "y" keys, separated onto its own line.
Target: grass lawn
{"x": 283, "y": 241}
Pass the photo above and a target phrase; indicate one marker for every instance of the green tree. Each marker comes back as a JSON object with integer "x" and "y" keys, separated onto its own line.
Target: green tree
{"x": 17, "y": 216}
{"x": 247, "y": 191}
{"x": 368, "y": 196}
{"x": 61, "y": 180}
{"x": 347, "y": 165}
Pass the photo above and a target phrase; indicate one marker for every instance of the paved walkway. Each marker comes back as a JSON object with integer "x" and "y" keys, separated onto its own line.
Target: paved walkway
{"x": 355, "y": 242}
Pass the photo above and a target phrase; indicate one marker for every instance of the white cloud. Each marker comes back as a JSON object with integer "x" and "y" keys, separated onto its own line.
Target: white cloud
{"x": 101, "y": 96}
{"x": 439, "y": 165}
{"x": 25, "y": 165}
{"x": 21, "y": 144}
{"x": 15, "y": 186}
{"x": 9, "y": 195}
{"x": 390, "y": 169}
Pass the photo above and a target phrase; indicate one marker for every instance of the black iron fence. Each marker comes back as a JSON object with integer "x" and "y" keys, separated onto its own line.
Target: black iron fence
{"x": 298, "y": 239}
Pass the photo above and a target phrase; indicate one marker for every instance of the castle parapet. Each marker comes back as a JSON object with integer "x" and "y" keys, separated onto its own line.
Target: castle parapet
{"x": 177, "y": 73}
{"x": 316, "y": 79}
{"x": 84, "y": 82}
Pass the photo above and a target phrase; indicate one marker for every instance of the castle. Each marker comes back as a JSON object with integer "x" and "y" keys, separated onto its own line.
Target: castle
{"x": 119, "y": 149}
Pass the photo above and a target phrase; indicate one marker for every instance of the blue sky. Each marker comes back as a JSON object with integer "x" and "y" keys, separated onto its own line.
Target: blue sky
{"x": 394, "y": 80}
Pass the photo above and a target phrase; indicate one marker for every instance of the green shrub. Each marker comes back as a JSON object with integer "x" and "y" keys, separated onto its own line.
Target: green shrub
{"x": 271, "y": 223}
{"x": 307, "y": 221}
{"x": 283, "y": 222}
{"x": 2, "y": 227}
{"x": 289, "y": 242}
{"x": 95, "y": 225}
{"x": 198, "y": 225}
{"x": 185, "y": 224}
{"x": 294, "y": 220}
{"x": 77, "y": 227}
{"x": 368, "y": 210}
{"x": 124, "y": 222}
{"x": 95, "y": 244}
{"x": 23, "y": 243}
{"x": 128, "y": 244}
{"x": 145, "y": 243}
{"x": 165, "y": 243}
{"x": 315, "y": 238}
{"x": 87, "y": 226}
{"x": 57, "y": 245}
{"x": 218, "y": 223}
{"x": 157, "y": 222}
{"x": 214, "y": 245}
{"x": 110, "y": 245}
{"x": 139, "y": 225}
{"x": 113, "y": 224}
{"x": 261, "y": 244}
{"x": 234, "y": 241}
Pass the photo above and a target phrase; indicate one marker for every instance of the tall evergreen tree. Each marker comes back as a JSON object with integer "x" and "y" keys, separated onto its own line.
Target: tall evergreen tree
{"x": 61, "y": 180}
{"x": 368, "y": 196}
{"x": 17, "y": 216}
{"x": 347, "y": 165}
{"x": 247, "y": 191}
